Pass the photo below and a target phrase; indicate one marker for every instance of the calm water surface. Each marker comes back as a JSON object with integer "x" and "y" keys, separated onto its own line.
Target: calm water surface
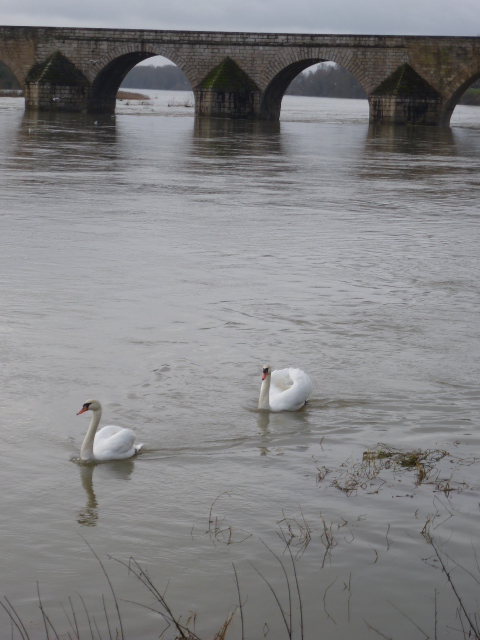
{"x": 156, "y": 263}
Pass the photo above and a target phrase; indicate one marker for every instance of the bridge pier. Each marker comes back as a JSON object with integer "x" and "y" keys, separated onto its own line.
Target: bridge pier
{"x": 405, "y": 110}
{"x": 406, "y": 98}
{"x": 227, "y": 104}
{"x": 227, "y": 92}
{"x": 56, "y": 98}
{"x": 56, "y": 85}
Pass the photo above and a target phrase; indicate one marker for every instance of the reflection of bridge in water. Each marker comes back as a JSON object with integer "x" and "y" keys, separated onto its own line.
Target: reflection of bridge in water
{"x": 407, "y": 79}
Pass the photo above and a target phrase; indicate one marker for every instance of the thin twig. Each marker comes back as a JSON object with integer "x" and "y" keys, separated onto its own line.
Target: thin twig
{"x": 473, "y": 627}
{"x": 111, "y": 589}
{"x": 18, "y": 617}
{"x": 298, "y": 587}
{"x": 45, "y": 616}
{"x": 141, "y": 575}
{"x": 74, "y": 618}
{"x": 86, "y": 613}
{"x": 14, "y": 622}
{"x": 325, "y": 600}
{"x": 348, "y": 587}
{"x": 211, "y": 509}
{"x": 239, "y": 600}
{"x": 106, "y": 617}
{"x": 96, "y": 626}
{"x": 377, "y": 631}
{"x": 409, "y": 619}
{"x": 276, "y": 599}
{"x": 68, "y": 618}
{"x": 287, "y": 581}
{"x": 461, "y": 567}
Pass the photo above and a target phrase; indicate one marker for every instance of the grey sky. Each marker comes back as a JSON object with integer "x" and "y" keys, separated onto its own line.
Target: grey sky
{"x": 410, "y": 17}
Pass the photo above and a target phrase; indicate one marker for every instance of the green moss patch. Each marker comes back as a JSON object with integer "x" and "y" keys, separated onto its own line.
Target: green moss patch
{"x": 228, "y": 76}
{"x": 405, "y": 82}
{"x": 57, "y": 69}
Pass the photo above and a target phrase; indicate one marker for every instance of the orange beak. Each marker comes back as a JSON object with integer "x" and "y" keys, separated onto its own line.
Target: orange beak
{"x": 264, "y": 375}
{"x": 82, "y": 410}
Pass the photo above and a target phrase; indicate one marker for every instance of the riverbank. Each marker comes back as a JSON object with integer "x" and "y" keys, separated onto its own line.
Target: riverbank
{"x": 121, "y": 95}
{"x": 470, "y": 97}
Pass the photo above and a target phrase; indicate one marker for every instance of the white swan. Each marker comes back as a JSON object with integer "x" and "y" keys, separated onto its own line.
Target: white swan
{"x": 110, "y": 443}
{"x": 284, "y": 390}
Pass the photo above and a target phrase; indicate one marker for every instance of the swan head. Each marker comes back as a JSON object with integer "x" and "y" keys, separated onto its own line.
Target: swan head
{"x": 90, "y": 405}
{"x": 266, "y": 371}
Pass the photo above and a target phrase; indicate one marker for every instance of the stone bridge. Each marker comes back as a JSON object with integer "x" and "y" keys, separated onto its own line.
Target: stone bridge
{"x": 407, "y": 79}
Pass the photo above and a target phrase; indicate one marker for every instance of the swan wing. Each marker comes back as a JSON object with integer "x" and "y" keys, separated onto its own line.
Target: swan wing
{"x": 114, "y": 443}
{"x": 108, "y": 431}
{"x": 281, "y": 380}
{"x": 289, "y": 389}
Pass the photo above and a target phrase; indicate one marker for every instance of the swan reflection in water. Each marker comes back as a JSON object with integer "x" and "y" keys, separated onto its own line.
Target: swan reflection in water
{"x": 278, "y": 428}
{"x": 263, "y": 422}
{"x": 118, "y": 470}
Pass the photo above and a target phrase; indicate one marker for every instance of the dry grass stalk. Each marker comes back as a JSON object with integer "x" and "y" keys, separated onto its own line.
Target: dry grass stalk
{"x": 365, "y": 475}
{"x": 220, "y": 533}
{"x": 295, "y": 533}
{"x": 426, "y": 531}
{"x": 470, "y": 629}
{"x": 221, "y": 633}
{"x": 240, "y": 604}
{"x": 287, "y": 614}
{"x": 328, "y": 540}
{"x": 322, "y": 473}
{"x": 185, "y": 633}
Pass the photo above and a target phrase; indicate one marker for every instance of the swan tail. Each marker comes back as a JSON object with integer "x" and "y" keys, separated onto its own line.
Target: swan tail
{"x": 291, "y": 389}
{"x": 138, "y": 447}
{"x": 302, "y": 382}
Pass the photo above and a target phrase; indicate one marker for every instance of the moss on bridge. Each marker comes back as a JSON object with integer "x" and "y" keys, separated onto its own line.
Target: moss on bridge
{"x": 405, "y": 82}
{"x": 57, "y": 69}
{"x": 228, "y": 76}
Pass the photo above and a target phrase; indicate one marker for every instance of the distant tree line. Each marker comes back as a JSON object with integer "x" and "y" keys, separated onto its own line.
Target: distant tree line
{"x": 149, "y": 77}
{"x": 326, "y": 81}
{"x": 472, "y": 95}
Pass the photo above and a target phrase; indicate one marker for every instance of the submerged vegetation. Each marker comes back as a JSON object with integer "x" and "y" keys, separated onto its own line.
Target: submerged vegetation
{"x": 380, "y": 466}
{"x": 84, "y": 624}
{"x": 366, "y": 474}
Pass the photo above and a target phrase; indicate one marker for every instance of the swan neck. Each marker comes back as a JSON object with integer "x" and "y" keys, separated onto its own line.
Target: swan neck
{"x": 86, "y": 452}
{"x": 264, "y": 400}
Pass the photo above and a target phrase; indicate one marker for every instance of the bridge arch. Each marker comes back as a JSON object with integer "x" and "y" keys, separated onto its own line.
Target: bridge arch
{"x": 454, "y": 99}
{"x": 13, "y": 68}
{"x": 107, "y": 73}
{"x": 273, "y": 94}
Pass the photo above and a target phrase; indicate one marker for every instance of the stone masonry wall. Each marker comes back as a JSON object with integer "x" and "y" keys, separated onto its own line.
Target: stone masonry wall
{"x": 447, "y": 63}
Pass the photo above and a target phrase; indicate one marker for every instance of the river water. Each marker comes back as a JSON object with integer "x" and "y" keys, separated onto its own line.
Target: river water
{"x": 157, "y": 263}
